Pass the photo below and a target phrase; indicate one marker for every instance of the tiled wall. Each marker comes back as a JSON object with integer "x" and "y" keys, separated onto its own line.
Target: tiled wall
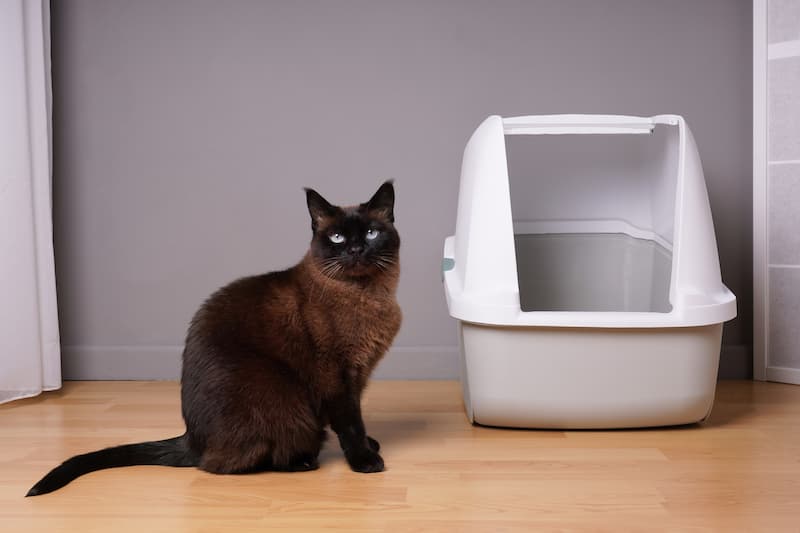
{"x": 783, "y": 154}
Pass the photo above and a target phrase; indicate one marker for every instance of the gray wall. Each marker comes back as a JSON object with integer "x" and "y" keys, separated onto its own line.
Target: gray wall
{"x": 184, "y": 131}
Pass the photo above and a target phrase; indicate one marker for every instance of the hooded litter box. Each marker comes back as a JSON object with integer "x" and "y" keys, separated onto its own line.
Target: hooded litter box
{"x": 585, "y": 280}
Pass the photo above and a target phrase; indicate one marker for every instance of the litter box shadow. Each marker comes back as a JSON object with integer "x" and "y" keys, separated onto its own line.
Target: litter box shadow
{"x": 725, "y": 414}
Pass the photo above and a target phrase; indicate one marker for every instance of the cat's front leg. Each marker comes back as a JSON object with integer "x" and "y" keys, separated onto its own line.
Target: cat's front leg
{"x": 360, "y": 450}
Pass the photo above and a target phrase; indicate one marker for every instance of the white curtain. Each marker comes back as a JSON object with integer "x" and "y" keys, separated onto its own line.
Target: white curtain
{"x": 30, "y": 359}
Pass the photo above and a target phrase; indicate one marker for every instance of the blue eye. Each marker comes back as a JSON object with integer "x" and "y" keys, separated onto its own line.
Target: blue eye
{"x": 336, "y": 238}
{"x": 372, "y": 234}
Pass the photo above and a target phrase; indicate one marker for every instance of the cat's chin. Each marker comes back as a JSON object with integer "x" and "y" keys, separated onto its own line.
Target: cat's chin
{"x": 359, "y": 270}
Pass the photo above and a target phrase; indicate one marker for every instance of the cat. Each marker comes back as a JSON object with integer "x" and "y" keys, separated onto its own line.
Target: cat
{"x": 271, "y": 360}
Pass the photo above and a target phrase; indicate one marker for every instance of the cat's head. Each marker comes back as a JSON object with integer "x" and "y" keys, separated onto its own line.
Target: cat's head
{"x": 357, "y": 241}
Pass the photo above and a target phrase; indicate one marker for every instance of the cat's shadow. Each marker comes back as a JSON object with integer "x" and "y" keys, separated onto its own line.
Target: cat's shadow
{"x": 389, "y": 433}
{"x": 392, "y": 433}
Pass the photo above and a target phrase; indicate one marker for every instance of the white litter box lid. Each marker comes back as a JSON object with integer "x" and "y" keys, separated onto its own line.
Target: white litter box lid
{"x": 479, "y": 265}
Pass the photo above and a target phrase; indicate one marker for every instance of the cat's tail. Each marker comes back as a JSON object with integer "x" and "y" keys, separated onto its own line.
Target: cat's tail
{"x": 168, "y": 452}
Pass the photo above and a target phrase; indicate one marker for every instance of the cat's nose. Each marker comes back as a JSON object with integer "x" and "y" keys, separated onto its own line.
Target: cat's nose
{"x": 355, "y": 249}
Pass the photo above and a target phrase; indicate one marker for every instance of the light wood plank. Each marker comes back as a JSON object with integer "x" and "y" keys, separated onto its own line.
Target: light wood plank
{"x": 740, "y": 471}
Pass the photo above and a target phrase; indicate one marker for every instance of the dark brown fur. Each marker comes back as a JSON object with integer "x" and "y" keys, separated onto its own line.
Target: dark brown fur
{"x": 271, "y": 360}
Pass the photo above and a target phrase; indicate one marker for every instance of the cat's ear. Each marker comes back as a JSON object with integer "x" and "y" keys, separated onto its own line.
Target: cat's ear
{"x": 318, "y": 207}
{"x": 382, "y": 202}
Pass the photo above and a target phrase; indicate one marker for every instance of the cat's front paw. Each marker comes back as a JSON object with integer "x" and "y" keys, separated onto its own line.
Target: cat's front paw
{"x": 365, "y": 461}
{"x": 374, "y": 445}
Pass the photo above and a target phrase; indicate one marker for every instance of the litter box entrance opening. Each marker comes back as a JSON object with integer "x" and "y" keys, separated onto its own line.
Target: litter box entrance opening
{"x": 592, "y": 272}
{"x": 593, "y": 219}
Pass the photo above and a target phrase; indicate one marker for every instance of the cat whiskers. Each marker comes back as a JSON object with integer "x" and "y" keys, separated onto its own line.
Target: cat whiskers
{"x": 384, "y": 262}
{"x": 329, "y": 268}
{"x": 335, "y": 270}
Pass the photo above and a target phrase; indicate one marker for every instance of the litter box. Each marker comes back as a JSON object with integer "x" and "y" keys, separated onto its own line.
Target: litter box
{"x": 585, "y": 279}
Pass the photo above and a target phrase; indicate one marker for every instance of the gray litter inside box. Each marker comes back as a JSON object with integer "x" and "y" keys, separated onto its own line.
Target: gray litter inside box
{"x": 592, "y": 272}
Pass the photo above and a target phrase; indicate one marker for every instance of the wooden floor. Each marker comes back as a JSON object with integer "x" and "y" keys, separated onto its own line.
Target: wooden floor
{"x": 740, "y": 471}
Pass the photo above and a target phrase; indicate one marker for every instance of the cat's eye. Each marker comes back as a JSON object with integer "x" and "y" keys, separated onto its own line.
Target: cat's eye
{"x": 371, "y": 234}
{"x": 336, "y": 238}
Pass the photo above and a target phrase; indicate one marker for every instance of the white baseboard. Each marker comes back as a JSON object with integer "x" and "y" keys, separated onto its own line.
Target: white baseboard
{"x": 121, "y": 362}
{"x": 419, "y": 362}
{"x": 783, "y": 375}
{"x": 402, "y": 362}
